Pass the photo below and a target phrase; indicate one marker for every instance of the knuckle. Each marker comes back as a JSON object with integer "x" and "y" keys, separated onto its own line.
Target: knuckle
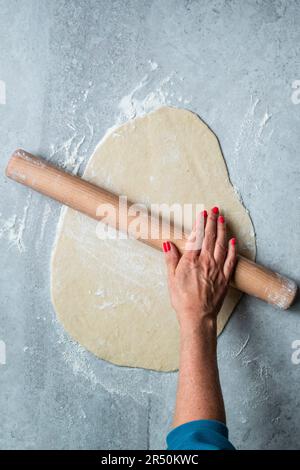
{"x": 213, "y": 236}
{"x": 206, "y": 258}
{"x": 208, "y": 263}
{"x": 221, "y": 246}
{"x": 230, "y": 264}
{"x": 189, "y": 255}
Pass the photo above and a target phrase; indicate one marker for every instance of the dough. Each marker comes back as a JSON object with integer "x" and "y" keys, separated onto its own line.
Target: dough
{"x": 111, "y": 295}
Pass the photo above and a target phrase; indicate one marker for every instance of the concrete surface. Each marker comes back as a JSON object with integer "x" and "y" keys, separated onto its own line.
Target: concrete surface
{"x": 67, "y": 66}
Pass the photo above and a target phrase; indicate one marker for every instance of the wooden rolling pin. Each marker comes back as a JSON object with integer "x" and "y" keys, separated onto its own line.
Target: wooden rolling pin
{"x": 85, "y": 197}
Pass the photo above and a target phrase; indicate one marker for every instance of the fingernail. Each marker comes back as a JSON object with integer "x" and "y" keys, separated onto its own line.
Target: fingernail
{"x": 233, "y": 241}
{"x": 221, "y": 219}
{"x": 166, "y": 246}
{"x": 204, "y": 213}
{"x": 215, "y": 210}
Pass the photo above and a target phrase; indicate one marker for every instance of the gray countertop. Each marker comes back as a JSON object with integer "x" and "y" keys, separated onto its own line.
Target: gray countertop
{"x": 68, "y": 71}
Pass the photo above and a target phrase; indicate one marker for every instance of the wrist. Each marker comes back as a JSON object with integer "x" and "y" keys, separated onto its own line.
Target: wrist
{"x": 203, "y": 325}
{"x": 199, "y": 338}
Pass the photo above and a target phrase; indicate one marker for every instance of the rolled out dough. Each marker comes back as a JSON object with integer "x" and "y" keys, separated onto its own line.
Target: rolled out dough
{"x": 111, "y": 295}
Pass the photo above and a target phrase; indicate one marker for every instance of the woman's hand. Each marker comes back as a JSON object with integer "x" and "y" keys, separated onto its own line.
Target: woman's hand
{"x": 198, "y": 280}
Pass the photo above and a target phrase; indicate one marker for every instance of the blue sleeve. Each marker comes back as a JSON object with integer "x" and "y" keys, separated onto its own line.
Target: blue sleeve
{"x": 199, "y": 435}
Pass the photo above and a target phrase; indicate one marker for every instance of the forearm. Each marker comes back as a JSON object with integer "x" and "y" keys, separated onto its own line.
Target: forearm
{"x": 199, "y": 394}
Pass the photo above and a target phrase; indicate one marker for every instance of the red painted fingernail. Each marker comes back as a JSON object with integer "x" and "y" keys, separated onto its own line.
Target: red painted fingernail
{"x": 221, "y": 219}
{"x": 166, "y": 246}
{"x": 215, "y": 210}
{"x": 233, "y": 241}
{"x": 204, "y": 213}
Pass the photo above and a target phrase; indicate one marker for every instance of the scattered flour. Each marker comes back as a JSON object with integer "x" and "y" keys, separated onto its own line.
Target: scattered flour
{"x": 12, "y": 229}
{"x": 70, "y": 150}
{"x": 266, "y": 118}
{"x": 89, "y": 126}
{"x": 153, "y": 65}
{"x": 148, "y": 95}
{"x": 244, "y": 345}
{"x": 282, "y": 298}
{"x": 130, "y": 106}
{"x": 45, "y": 218}
{"x": 261, "y": 383}
{"x": 121, "y": 381}
{"x": 251, "y": 135}
{"x": 70, "y": 154}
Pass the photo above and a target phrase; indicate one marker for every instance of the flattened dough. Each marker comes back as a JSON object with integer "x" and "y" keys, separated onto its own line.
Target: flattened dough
{"x": 111, "y": 295}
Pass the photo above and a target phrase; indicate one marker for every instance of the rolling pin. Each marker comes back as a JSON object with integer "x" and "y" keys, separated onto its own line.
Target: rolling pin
{"x": 85, "y": 197}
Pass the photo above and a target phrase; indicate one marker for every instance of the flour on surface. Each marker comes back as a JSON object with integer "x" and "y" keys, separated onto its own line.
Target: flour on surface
{"x": 45, "y": 217}
{"x": 153, "y": 65}
{"x": 70, "y": 154}
{"x": 261, "y": 383}
{"x": 121, "y": 381}
{"x": 148, "y": 95}
{"x": 12, "y": 229}
{"x": 70, "y": 150}
{"x": 251, "y": 136}
{"x": 266, "y": 118}
{"x": 244, "y": 345}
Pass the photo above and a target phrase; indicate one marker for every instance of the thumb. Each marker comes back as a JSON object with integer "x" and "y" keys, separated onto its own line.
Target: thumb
{"x": 172, "y": 257}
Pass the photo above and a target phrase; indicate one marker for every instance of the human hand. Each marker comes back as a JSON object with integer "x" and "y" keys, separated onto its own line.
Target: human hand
{"x": 198, "y": 280}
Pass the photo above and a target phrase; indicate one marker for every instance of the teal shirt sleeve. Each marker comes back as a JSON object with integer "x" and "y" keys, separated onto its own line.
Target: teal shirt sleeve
{"x": 199, "y": 435}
